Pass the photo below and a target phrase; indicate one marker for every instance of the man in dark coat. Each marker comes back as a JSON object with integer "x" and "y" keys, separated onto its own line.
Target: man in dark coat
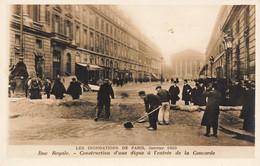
{"x": 103, "y": 98}
{"x": 151, "y": 102}
{"x": 248, "y": 109}
{"x": 74, "y": 89}
{"x": 47, "y": 87}
{"x": 186, "y": 92}
{"x": 174, "y": 93}
{"x": 210, "y": 116}
{"x": 58, "y": 89}
{"x": 35, "y": 88}
{"x": 196, "y": 94}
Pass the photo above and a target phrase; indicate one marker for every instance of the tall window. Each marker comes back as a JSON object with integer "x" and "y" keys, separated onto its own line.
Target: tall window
{"x": 17, "y": 39}
{"x": 91, "y": 19}
{"x": 247, "y": 16}
{"x": 91, "y": 41}
{"x": 102, "y": 44}
{"x": 56, "y": 23}
{"x": 17, "y": 9}
{"x": 85, "y": 15}
{"x": 97, "y": 22}
{"x": 107, "y": 47}
{"x": 77, "y": 35}
{"x": 47, "y": 17}
{"x": 77, "y": 10}
{"x": 68, "y": 64}
{"x": 85, "y": 39}
{"x": 115, "y": 49}
{"x": 36, "y": 13}
{"x": 102, "y": 25}
{"x": 97, "y": 42}
{"x": 238, "y": 24}
{"x": 38, "y": 44}
{"x": 107, "y": 30}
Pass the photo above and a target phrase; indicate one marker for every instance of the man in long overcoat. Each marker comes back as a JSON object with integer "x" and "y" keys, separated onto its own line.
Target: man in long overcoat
{"x": 103, "y": 98}
{"x": 74, "y": 89}
{"x": 186, "y": 92}
{"x": 58, "y": 89}
{"x": 174, "y": 93}
{"x": 210, "y": 116}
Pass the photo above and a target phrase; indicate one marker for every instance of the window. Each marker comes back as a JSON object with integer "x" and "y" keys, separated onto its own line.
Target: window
{"x": 91, "y": 19}
{"x": 17, "y": 39}
{"x": 97, "y": 43}
{"x": 68, "y": 64}
{"x": 91, "y": 41}
{"x": 56, "y": 23}
{"x": 115, "y": 49}
{"x": 102, "y": 44}
{"x": 77, "y": 10}
{"x": 68, "y": 7}
{"x": 111, "y": 47}
{"x": 247, "y": 16}
{"x": 85, "y": 39}
{"x": 36, "y": 13}
{"x": 47, "y": 17}
{"x": 38, "y": 44}
{"x": 17, "y": 9}
{"x": 77, "y": 36}
{"x": 107, "y": 47}
{"x": 85, "y": 15}
{"x": 102, "y": 25}
{"x": 97, "y": 22}
{"x": 107, "y": 30}
{"x": 238, "y": 24}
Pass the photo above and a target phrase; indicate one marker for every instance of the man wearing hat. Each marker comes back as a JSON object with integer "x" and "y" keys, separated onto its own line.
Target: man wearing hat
{"x": 151, "y": 102}
{"x": 74, "y": 89}
{"x": 174, "y": 93}
{"x": 163, "y": 116}
{"x": 186, "y": 92}
{"x": 103, "y": 97}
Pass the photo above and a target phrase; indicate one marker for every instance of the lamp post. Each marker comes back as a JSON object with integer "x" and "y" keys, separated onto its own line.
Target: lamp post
{"x": 211, "y": 59}
{"x": 228, "y": 48}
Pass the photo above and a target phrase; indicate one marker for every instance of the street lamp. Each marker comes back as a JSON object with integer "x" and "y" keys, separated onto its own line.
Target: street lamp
{"x": 211, "y": 59}
{"x": 228, "y": 44}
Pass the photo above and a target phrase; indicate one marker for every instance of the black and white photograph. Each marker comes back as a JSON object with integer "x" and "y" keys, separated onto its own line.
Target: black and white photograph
{"x": 129, "y": 80}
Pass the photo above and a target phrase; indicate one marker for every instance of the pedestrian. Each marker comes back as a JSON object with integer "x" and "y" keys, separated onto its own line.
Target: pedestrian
{"x": 47, "y": 87}
{"x": 174, "y": 93}
{"x": 151, "y": 102}
{"x": 12, "y": 87}
{"x": 210, "y": 116}
{"x": 74, "y": 89}
{"x": 58, "y": 89}
{"x": 196, "y": 94}
{"x": 103, "y": 98}
{"x": 186, "y": 92}
{"x": 35, "y": 88}
{"x": 248, "y": 109}
{"x": 163, "y": 117}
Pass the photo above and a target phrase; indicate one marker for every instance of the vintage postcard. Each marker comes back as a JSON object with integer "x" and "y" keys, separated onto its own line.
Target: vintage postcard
{"x": 116, "y": 82}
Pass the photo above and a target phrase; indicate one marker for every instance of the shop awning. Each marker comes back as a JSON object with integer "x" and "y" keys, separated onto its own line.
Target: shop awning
{"x": 90, "y": 66}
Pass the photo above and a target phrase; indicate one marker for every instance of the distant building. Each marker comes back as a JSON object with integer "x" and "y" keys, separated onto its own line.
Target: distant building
{"x": 232, "y": 44}
{"x": 187, "y": 64}
{"x": 90, "y": 41}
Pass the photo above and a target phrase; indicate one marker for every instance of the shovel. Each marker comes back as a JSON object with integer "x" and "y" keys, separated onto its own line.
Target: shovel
{"x": 129, "y": 125}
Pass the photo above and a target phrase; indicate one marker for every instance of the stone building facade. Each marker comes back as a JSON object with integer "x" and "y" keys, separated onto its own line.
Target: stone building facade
{"x": 232, "y": 44}
{"x": 60, "y": 39}
{"x": 187, "y": 64}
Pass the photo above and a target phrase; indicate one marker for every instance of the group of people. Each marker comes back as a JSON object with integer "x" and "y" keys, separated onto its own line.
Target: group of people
{"x": 34, "y": 87}
{"x": 157, "y": 106}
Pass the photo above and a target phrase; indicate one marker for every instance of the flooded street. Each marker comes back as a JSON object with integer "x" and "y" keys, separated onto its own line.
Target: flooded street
{"x": 54, "y": 122}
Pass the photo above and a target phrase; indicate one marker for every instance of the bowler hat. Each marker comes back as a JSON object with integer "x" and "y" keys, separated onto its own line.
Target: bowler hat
{"x": 158, "y": 87}
{"x": 141, "y": 93}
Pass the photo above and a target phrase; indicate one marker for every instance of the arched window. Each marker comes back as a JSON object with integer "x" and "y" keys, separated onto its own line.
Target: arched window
{"x": 111, "y": 64}
{"x": 68, "y": 64}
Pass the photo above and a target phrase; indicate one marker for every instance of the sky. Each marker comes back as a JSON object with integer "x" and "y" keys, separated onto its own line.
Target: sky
{"x": 174, "y": 28}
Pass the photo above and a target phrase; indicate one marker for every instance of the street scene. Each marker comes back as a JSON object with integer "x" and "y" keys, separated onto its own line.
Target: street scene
{"x": 111, "y": 75}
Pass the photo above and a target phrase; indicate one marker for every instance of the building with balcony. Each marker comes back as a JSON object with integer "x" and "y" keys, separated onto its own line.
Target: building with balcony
{"x": 89, "y": 41}
{"x": 231, "y": 49}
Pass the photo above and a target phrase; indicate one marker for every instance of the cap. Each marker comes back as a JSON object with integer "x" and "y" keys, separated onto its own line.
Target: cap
{"x": 158, "y": 87}
{"x": 141, "y": 93}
